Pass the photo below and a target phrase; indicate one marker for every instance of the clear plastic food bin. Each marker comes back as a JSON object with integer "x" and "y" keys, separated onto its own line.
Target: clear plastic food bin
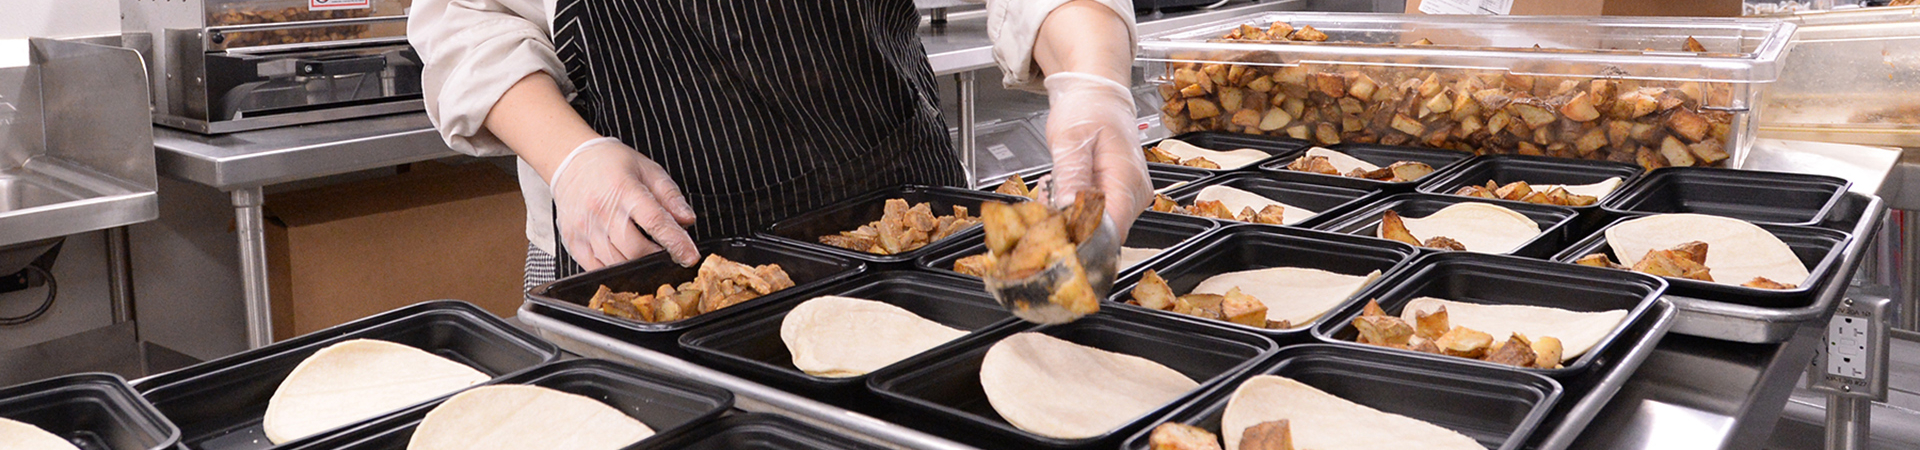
{"x": 1621, "y": 89}
{"x": 1853, "y": 77}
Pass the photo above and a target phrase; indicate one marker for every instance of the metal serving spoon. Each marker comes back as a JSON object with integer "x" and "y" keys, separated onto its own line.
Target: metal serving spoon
{"x": 1027, "y": 297}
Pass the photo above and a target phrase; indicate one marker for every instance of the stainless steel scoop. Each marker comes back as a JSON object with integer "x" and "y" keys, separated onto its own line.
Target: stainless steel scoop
{"x": 1027, "y": 297}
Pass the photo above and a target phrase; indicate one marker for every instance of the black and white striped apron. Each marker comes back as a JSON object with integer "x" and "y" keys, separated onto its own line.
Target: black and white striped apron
{"x": 759, "y": 109}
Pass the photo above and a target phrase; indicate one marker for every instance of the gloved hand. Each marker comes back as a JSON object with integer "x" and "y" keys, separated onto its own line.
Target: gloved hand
{"x": 602, "y": 190}
{"x": 1096, "y": 145}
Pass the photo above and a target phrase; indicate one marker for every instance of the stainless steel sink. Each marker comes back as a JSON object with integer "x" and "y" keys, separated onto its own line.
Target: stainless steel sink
{"x": 76, "y": 141}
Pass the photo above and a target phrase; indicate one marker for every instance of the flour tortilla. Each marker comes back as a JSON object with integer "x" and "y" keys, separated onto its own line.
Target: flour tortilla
{"x": 1481, "y": 227}
{"x": 1293, "y": 294}
{"x": 1064, "y": 390}
{"x": 1227, "y": 160}
{"x": 1341, "y": 161}
{"x": 21, "y": 436}
{"x": 357, "y": 380}
{"x": 839, "y": 337}
{"x": 1577, "y": 331}
{"x": 1737, "y": 250}
{"x": 1596, "y": 190}
{"x": 1236, "y": 199}
{"x": 1321, "y": 421}
{"x": 1130, "y": 256}
{"x": 1170, "y": 187}
{"x": 513, "y": 417}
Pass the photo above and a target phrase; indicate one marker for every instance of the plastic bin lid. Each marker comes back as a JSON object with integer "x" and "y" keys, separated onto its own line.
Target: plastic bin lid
{"x": 1741, "y": 50}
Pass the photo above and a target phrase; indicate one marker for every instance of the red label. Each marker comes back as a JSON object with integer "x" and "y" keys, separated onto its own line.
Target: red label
{"x": 322, "y": 5}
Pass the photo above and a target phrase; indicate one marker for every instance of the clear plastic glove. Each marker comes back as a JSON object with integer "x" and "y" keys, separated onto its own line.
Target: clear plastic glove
{"x": 1096, "y": 145}
{"x": 602, "y": 190}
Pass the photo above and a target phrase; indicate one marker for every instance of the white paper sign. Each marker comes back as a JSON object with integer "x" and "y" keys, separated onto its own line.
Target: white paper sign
{"x": 323, "y": 5}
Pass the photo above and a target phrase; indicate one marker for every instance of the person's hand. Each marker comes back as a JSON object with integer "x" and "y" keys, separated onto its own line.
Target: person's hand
{"x": 602, "y": 190}
{"x": 1096, "y": 145}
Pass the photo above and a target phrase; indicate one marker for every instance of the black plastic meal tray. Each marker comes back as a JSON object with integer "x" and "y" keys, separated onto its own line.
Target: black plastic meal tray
{"x": 756, "y": 431}
{"x": 1506, "y": 280}
{"x": 1152, "y": 230}
{"x": 1443, "y": 162}
{"x": 1275, "y": 147}
{"x": 1558, "y": 225}
{"x": 749, "y": 345}
{"x": 93, "y": 411}
{"x": 665, "y": 403}
{"x": 1818, "y": 248}
{"x": 807, "y": 267}
{"x": 218, "y": 404}
{"x": 1535, "y": 170}
{"x": 1754, "y": 196}
{"x": 1290, "y": 188}
{"x": 807, "y": 228}
{"x": 939, "y": 391}
{"x": 1499, "y": 408}
{"x": 1240, "y": 248}
{"x": 1161, "y": 175}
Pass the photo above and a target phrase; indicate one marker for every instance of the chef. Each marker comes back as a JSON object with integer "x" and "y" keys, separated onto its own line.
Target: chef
{"x": 644, "y": 125}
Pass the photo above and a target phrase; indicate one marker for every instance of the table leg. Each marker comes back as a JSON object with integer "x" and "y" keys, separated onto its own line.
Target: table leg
{"x": 120, "y": 279}
{"x": 250, "y": 224}
{"x": 968, "y": 159}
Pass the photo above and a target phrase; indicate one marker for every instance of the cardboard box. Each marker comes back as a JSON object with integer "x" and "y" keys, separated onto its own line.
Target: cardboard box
{"x": 1694, "y": 8}
{"x": 342, "y": 252}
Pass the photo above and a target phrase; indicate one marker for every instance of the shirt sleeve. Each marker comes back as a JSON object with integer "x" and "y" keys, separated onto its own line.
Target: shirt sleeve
{"x": 474, "y": 50}
{"x": 1014, "y": 26}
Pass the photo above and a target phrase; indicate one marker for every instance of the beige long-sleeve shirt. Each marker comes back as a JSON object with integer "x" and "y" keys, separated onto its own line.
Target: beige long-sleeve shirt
{"x": 476, "y": 49}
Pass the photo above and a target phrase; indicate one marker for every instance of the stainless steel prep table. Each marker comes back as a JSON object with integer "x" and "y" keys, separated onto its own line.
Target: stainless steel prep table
{"x": 241, "y": 164}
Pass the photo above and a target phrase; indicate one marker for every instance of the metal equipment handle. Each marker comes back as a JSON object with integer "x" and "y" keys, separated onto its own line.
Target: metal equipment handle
{"x": 350, "y": 65}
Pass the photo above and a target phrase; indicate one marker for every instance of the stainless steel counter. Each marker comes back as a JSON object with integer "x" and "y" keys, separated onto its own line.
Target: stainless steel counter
{"x": 257, "y": 158}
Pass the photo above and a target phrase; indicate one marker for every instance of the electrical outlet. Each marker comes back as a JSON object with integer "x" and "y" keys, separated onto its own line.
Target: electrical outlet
{"x": 1847, "y": 346}
{"x": 1853, "y": 360}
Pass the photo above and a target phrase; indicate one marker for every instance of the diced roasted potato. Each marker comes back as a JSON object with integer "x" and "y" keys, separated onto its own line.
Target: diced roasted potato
{"x": 1383, "y": 330}
{"x": 1514, "y": 191}
{"x": 1444, "y": 243}
{"x": 1271, "y": 435}
{"x": 1409, "y": 170}
{"x": 1580, "y": 108}
{"x": 1018, "y": 187}
{"x": 1393, "y": 228}
{"x": 1201, "y": 108}
{"x": 1464, "y": 342}
{"x": 1764, "y": 283}
{"x": 1307, "y": 33}
{"x": 1516, "y": 351}
{"x": 1372, "y": 308}
{"x": 1153, "y": 292}
{"x": 976, "y": 265}
{"x": 1003, "y": 224}
{"x": 1695, "y": 251}
{"x": 1431, "y": 325}
{"x": 1546, "y": 352}
{"x": 1200, "y": 162}
{"x": 1156, "y": 155}
{"x": 1687, "y": 124}
{"x": 1693, "y": 45}
{"x": 1205, "y": 306}
{"x": 1243, "y": 309}
{"x": 1212, "y": 209}
{"x": 1599, "y": 260}
{"x": 1669, "y": 263}
{"x": 1274, "y": 119}
{"x": 1179, "y": 436}
{"x": 1475, "y": 191}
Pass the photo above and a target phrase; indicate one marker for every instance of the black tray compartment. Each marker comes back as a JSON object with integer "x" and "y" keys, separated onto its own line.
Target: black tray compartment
{"x": 807, "y": 228}
{"x": 1535, "y": 170}
{"x": 1291, "y": 188}
{"x": 1506, "y": 280}
{"x": 1275, "y": 147}
{"x": 1240, "y": 248}
{"x": 1499, "y": 408}
{"x": 1753, "y": 196}
{"x": 756, "y": 431}
{"x": 668, "y": 404}
{"x": 749, "y": 345}
{"x": 93, "y": 411}
{"x": 569, "y": 296}
{"x": 1818, "y": 248}
{"x": 1558, "y": 225}
{"x": 1162, "y": 176}
{"x": 1152, "y": 230}
{"x": 1443, "y": 162}
{"x": 939, "y": 391}
{"x": 218, "y": 404}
